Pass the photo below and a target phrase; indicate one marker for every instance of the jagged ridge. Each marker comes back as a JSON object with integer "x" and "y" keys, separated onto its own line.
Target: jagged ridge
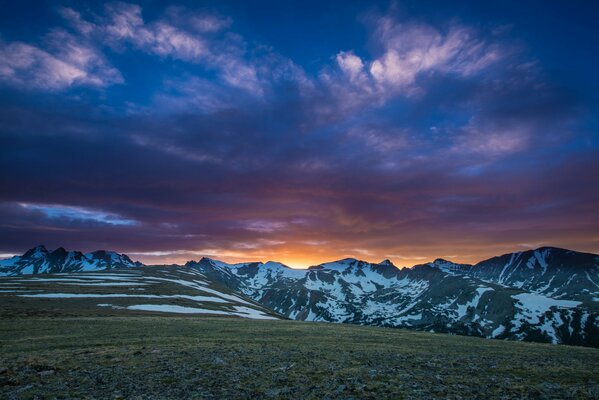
{"x": 39, "y": 260}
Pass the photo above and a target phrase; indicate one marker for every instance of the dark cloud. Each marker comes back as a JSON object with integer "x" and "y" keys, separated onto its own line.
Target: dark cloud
{"x": 474, "y": 151}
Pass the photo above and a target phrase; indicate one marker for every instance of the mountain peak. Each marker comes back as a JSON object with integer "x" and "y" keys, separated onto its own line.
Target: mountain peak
{"x": 449, "y": 266}
{"x": 36, "y": 252}
{"x": 347, "y": 260}
{"x": 341, "y": 265}
{"x": 59, "y": 251}
{"x": 386, "y": 262}
{"x": 274, "y": 264}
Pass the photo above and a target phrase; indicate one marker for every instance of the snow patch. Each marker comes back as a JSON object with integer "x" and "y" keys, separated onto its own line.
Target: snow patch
{"x": 240, "y": 311}
{"x": 462, "y": 309}
{"x": 115, "y": 295}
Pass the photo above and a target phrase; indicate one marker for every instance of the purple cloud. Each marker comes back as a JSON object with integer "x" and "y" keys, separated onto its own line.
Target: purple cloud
{"x": 429, "y": 141}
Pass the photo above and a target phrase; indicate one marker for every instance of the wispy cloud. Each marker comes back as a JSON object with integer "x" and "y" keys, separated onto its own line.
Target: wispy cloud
{"x": 72, "y": 213}
{"x": 64, "y": 60}
{"x": 491, "y": 141}
{"x": 67, "y": 63}
{"x": 265, "y": 226}
{"x": 197, "y": 39}
{"x": 411, "y": 49}
{"x": 409, "y": 53}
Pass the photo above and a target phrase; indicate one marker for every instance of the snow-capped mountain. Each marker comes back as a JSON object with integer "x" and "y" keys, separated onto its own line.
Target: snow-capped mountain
{"x": 440, "y": 296}
{"x": 551, "y": 271}
{"x": 548, "y": 294}
{"x": 39, "y": 260}
{"x": 450, "y": 267}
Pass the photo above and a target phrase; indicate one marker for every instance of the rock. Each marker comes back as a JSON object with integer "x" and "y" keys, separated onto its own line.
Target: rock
{"x": 6, "y": 380}
{"x": 286, "y": 367}
{"x": 23, "y": 388}
{"x": 218, "y": 361}
{"x": 340, "y": 388}
{"x": 273, "y": 392}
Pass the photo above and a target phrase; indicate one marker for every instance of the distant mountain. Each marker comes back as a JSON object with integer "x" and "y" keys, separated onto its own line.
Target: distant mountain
{"x": 440, "y": 296}
{"x": 39, "y": 260}
{"x": 547, "y": 294}
{"x": 450, "y": 267}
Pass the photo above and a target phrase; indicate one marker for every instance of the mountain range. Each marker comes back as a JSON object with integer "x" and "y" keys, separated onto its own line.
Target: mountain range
{"x": 39, "y": 260}
{"x": 546, "y": 295}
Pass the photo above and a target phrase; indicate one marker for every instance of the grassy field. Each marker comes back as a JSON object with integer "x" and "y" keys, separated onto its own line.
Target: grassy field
{"x": 209, "y": 357}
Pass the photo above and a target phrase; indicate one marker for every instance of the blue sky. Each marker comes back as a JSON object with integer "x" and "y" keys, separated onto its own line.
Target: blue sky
{"x": 299, "y": 131}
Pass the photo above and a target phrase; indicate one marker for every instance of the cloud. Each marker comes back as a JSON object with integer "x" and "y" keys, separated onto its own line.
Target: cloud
{"x": 239, "y": 152}
{"x": 351, "y": 65}
{"x": 72, "y": 213}
{"x": 64, "y": 60}
{"x": 193, "y": 94}
{"x": 209, "y": 23}
{"x": 383, "y": 141}
{"x": 192, "y": 38}
{"x": 75, "y": 20}
{"x": 265, "y": 226}
{"x": 492, "y": 141}
{"x": 69, "y": 63}
{"x": 124, "y": 23}
{"x": 409, "y": 54}
{"x": 167, "y": 40}
{"x": 315, "y": 242}
{"x": 412, "y": 49}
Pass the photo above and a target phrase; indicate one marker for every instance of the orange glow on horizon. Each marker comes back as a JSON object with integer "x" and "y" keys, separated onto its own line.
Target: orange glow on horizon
{"x": 302, "y": 257}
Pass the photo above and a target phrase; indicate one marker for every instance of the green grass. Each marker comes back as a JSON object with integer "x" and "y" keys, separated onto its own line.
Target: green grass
{"x": 192, "y": 357}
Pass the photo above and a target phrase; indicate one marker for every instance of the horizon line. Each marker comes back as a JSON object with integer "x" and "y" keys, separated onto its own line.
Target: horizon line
{"x": 4, "y": 256}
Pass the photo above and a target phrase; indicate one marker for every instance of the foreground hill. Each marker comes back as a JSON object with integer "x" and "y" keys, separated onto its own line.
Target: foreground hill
{"x": 132, "y": 291}
{"x": 225, "y": 358}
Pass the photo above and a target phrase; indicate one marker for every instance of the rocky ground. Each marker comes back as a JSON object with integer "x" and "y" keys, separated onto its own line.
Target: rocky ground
{"x": 173, "y": 357}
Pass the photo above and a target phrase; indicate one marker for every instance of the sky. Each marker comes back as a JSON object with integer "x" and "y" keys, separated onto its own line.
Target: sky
{"x": 299, "y": 131}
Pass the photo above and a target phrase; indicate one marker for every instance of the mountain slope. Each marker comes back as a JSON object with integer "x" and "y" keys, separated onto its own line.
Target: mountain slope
{"x": 39, "y": 260}
{"x": 551, "y": 271}
{"x": 424, "y": 297}
{"x": 160, "y": 289}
